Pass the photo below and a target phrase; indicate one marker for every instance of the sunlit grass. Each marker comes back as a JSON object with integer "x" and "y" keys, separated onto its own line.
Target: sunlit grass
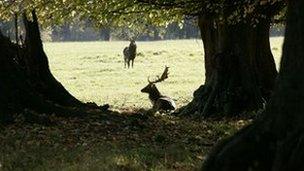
{"x": 93, "y": 71}
{"x": 276, "y": 48}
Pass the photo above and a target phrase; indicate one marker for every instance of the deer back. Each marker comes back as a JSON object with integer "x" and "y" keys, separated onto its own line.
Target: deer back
{"x": 165, "y": 103}
{"x": 130, "y": 51}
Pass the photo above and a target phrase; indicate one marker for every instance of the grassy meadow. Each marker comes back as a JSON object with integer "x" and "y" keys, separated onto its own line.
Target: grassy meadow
{"x": 131, "y": 139}
{"x": 94, "y": 71}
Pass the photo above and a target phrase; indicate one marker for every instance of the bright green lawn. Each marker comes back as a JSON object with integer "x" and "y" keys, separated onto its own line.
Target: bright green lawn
{"x": 93, "y": 71}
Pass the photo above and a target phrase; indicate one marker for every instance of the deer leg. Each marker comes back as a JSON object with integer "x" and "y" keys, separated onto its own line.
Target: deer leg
{"x": 132, "y": 63}
{"x": 128, "y": 63}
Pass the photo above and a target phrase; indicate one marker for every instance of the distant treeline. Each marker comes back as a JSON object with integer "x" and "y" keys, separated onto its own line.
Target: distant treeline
{"x": 69, "y": 32}
{"x": 85, "y": 31}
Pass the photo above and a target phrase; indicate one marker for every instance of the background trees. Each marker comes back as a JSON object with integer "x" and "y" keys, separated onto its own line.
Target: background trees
{"x": 85, "y": 30}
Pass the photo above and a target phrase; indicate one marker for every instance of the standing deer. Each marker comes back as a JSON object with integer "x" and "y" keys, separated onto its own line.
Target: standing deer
{"x": 159, "y": 101}
{"x": 130, "y": 53}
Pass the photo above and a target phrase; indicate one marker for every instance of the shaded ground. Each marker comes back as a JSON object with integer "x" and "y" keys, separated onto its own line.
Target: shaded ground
{"x": 122, "y": 142}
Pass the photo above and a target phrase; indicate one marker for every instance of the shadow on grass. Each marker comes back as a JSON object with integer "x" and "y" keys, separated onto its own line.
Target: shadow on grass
{"x": 130, "y": 139}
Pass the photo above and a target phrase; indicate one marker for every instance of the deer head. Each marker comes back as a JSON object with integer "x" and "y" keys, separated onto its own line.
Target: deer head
{"x": 132, "y": 42}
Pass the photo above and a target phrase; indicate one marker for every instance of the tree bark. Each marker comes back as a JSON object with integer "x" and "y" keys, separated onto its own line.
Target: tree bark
{"x": 240, "y": 69}
{"x": 38, "y": 68}
{"x": 16, "y": 27}
{"x": 26, "y": 83}
{"x": 275, "y": 140}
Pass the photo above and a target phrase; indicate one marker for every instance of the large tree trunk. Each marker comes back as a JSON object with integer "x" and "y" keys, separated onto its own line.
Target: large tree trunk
{"x": 26, "y": 82}
{"x": 240, "y": 69}
{"x": 17, "y": 92}
{"x": 38, "y": 68}
{"x": 274, "y": 141}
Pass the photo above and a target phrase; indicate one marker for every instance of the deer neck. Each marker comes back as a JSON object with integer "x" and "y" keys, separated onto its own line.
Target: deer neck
{"x": 154, "y": 94}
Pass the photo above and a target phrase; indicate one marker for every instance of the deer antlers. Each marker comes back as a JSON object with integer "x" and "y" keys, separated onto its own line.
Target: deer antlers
{"x": 162, "y": 78}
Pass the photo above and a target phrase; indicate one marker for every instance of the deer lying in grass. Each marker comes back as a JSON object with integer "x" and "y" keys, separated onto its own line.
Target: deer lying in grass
{"x": 130, "y": 53}
{"x": 160, "y": 102}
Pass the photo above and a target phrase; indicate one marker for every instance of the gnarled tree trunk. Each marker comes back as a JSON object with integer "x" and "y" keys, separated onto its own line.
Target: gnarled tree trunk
{"x": 26, "y": 82}
{"x": 37, "y": 67}
{"x": 274, "y": 141}
{"x": 240, "y": 69}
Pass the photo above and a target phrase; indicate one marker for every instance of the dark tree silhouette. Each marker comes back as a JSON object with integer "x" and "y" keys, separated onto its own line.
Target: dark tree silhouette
{"x": 275, "y": 140}
{"x": 239, "y": 65}
{"x": 26, "y": 81}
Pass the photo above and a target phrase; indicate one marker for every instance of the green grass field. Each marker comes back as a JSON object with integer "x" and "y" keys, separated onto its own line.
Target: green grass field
{"x": 94, "y": 71}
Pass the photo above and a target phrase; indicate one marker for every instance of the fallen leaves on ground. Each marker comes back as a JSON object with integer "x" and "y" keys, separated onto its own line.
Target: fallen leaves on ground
{"x": 128, "y": 141}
